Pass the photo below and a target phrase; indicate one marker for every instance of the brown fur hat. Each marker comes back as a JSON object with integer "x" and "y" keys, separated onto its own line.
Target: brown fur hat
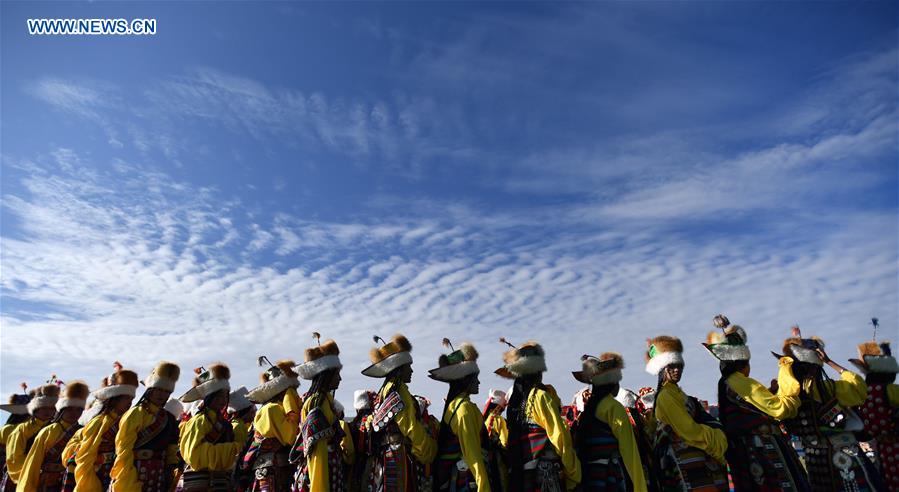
{"x": 321, "y": 358}
{"x": 76, "y": 394}
{"x": 329, "y": 347}
{"x": 663, "y": 351}
{"x": 398, "y": 343}
{"x": 216, "y": 371}
{"x": 876, "y": 357}
{"x": 456, "y": 365}
{"x": 285, "y": 365}
{"x": 529, "y": 358}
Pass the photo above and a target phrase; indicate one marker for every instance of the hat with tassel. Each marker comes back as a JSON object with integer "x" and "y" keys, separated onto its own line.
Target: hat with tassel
{"x": 75, "y": 395}
{"x": 207, "y": 382}
{"x": 45, "y": 395}
{"x": 318, "y": 359}
{"x": 17, "y": 404}
{"x": 728, "y": 342}
{"x": 875, "y": 357}
{"x": 363, "y": 400}
{"x": 277, "y": 378}
{"x": 239, "y": 401}
{"x": 456, "y": 365}
{"x": 525, "y": 360}
{"x": 663, "y": 351}
{"x": 803, "y": 349}
{"x": 163, "y": 376}
{"x": 389, "y": 356}
{"x": 122, "y": 382}
{"x": 605, "y": 369}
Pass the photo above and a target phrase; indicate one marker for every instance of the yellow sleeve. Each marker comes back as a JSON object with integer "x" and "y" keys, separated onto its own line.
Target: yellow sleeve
{"x": 893, "y": 394}
{"x": 86, "y": 479}
{"x": 777, "y": 406}
{"x": 318, "y": 458}
{"x": 272, "y": 421}
{"x": 671, "y": 409}
{"x": 5, "y": 432}
{"x": 851, "y": 389}
{"x": 15, "y": 448}
{"x": 467, "y": 427}
{"x": 498, "y": 424}
{"x": 31, "y": 468}
{"x": 424, "y": 447}
{"x": 612, "y": 413}
{"x": 548, "y": 416}
{"x": 202, "y": 455}
{"x": 71, "y": 448}
{"x": 123, "y": 473}
{"x": 346, "y": 444}
{"x": 293, "y": 407}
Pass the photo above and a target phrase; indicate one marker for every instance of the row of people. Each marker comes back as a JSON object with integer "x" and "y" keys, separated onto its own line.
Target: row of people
{"x": 663, "y": 440}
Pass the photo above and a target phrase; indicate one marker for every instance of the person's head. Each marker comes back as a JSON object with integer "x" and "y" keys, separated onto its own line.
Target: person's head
{"x": 217, "y": 401}
{"x": 673, "y": 373}
{"x": 728, "y": 367}
{"x": 474, "y": 384}
{"x": 160, "y": 383}
{"x": 403, "y": 373}
{"x": 157, "y": 396}
{"x": 118, "y": 404}
{"x": 71, "y": 415}
{"x": 44, "y": 413}
{"x": 804, "y": 371}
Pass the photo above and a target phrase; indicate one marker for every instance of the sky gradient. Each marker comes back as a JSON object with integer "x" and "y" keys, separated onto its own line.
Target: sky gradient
{"x": 586, "y": 175}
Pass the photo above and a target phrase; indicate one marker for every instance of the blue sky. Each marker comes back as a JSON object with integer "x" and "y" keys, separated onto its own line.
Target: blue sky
{"x": 588, "y": 175}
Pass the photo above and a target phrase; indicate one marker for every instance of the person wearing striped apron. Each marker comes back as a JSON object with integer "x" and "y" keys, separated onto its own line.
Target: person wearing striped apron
{"x": 147, "y": 441}
{"x": 760, "y": 456}
{"x": 241, "y": 412}
{"x": 495, "y": 437}
{"x": 44, "y": 470}
{"x": 17, "y": 406}
{"x": 276, "y": 426}
{"x": 460, "y": 464}
{"x": 209, "y": 443}
{"x": 317, "y": 452}
{"x": 540, "y": 450}
{"x": 41, "y": 409}
{"x": 826, "y": 423}
{"x": 880, "y": 411}
{"x": 96, "y": 449}
{"x": 603, "y": 436}
{"x": 399, "y": 444}
{"x": 689, "y": 443}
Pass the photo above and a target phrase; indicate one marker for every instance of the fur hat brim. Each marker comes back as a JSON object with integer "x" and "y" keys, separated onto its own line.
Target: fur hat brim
{"x": 728, "y": 352}
{"x": 308, "y": 370}
{"x": 203, "y": 390}
{"x": 239, "y": 400}
{"x": 523, "y": 366}
{"x": 361, "y": 400}
{"x": 70, "y": 403}
{"x": 387, "y": 365}
{"x": 115, "y": 390}
{"x": 159, "y": 382}
{"x": 607, "y": 377}
{"x": 454, "y": 372}
{"x": 42, "y": 402}
{"x": 269, "y": 389}
{"x": 881, "y": 364}
{"x": 15, "y": 409}
{"x": 661, "y": 361}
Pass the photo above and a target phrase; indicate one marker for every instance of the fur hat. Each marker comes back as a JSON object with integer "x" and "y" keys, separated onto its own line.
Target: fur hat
{"x": 497, "y": 397}
{"x": 278, "y": 378}
{"x": 45, "y": 396}
{"x": 17, "y": 404}
{"x": 522, "y": 361}
{"x": 163, "y": 376}
{"x": 75, "y": 396}
{"x": 363, "y": 399}
{"x": 627, "y": 398}
{"x": 803, "y": 349}
{"x": 389, "y": 356}
{"x": 207, "y": 382}
{"x": 874, "y": 357}
{"x": 456, "y": 365}
{"x": 727, "y": 343}
{"x": 175, "y": 408}
{"x": 605, "y": 369}
{"x": 239, "y": 400}
{"x": 122, "y": 382}
{"x": 663, "y": 351}
{"x": 319, "y": 359}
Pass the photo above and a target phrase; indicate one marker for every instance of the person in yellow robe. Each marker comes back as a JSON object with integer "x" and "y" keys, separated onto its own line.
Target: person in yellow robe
{"x": 147, "y": 441}
{"x": 757, "y": 453}
{"x": 604, "y": 437}
{"x": 690, "y": 444}
{"x": 347, "y": 446}
{"x": 496, "y": 438}
{"x": 209, "y": 443}
{"x": 399, "y": 444}
{"x": 825, "y": 422}
{"x": 460, "y": 463}
{"x": 541, "y": 452}
{"x": 267, "y": 465}
{"x": 241, "y": 412}
{"x": 17, "y": 406}
{"x": 95, "y": 453}
{"x": 318, "y": 452}
{"x": 41, "y": 408}
{"x": 44, "y": 469}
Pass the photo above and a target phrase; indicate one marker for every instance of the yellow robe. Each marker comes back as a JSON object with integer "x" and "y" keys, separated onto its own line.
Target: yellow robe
{"x": 5, "y": 432}
{"x": 202, "y": 455}
{"x": 15, "y": 446}
{"x": 346, "y": 444}
{"x": 546, "y": 407}
{"x": 280, "y": 420}
{"x": 71, "y": 449}
{"x": 86, "y": 459}
{"x": 671, "y": 409}
{"x": 782, "y": 405}
{"x": 29, "y": 478}
{"x": 851, "y": 390}
{"x": 466, "y": 423}
{"x": 137, "y": 418}
{"x": 497, "y": 425}
{"x": 424, "y": 447}
{"x": 317, "y": 460}
{"x": 893, "y": 394}
{"x": 612, "y": 413}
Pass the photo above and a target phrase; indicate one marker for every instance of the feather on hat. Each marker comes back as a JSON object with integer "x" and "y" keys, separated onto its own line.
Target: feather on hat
{"x": 456, "y": 365}
{"x": 388, "y": 357}
{"x": 529, "y": 358}
{"x": 605, "y": 369}
{"x": 207, "y": 382}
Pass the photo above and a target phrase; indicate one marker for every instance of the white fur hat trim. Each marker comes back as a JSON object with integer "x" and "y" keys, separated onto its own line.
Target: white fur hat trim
{"x": 90, "y": 413}
{"x": 239, "y": 400}
{"x": 174, "y": 407}
{"x": 309, "y": 370}
{"x": 155, "y": 381}
{"x": 361, "y": 400}
{"x": 205, "y": 389}
{"x": 525, "y": 365}
{"x": 70, "y": 402}
{"x": 659, "y": 362}
{"x": 386, "y": 366}
{"x": 115, "y": 390}
{"x": 40, "y": 402}
{"x": 454, "y": 372}
{"x": 608, "y": 377}
{"x": 269, "y": 389}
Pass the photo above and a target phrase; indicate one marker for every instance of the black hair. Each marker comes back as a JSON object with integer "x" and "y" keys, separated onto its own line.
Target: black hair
{"x": 456, "y": 388}
{"x": 17, "y": 418}
{"x": 321, "y": 385}
{"x": 727, "y": 367}
{"x": 597, "y": 393}
{"x": 804, "y": 371}
{"x": 518, "y": 402}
